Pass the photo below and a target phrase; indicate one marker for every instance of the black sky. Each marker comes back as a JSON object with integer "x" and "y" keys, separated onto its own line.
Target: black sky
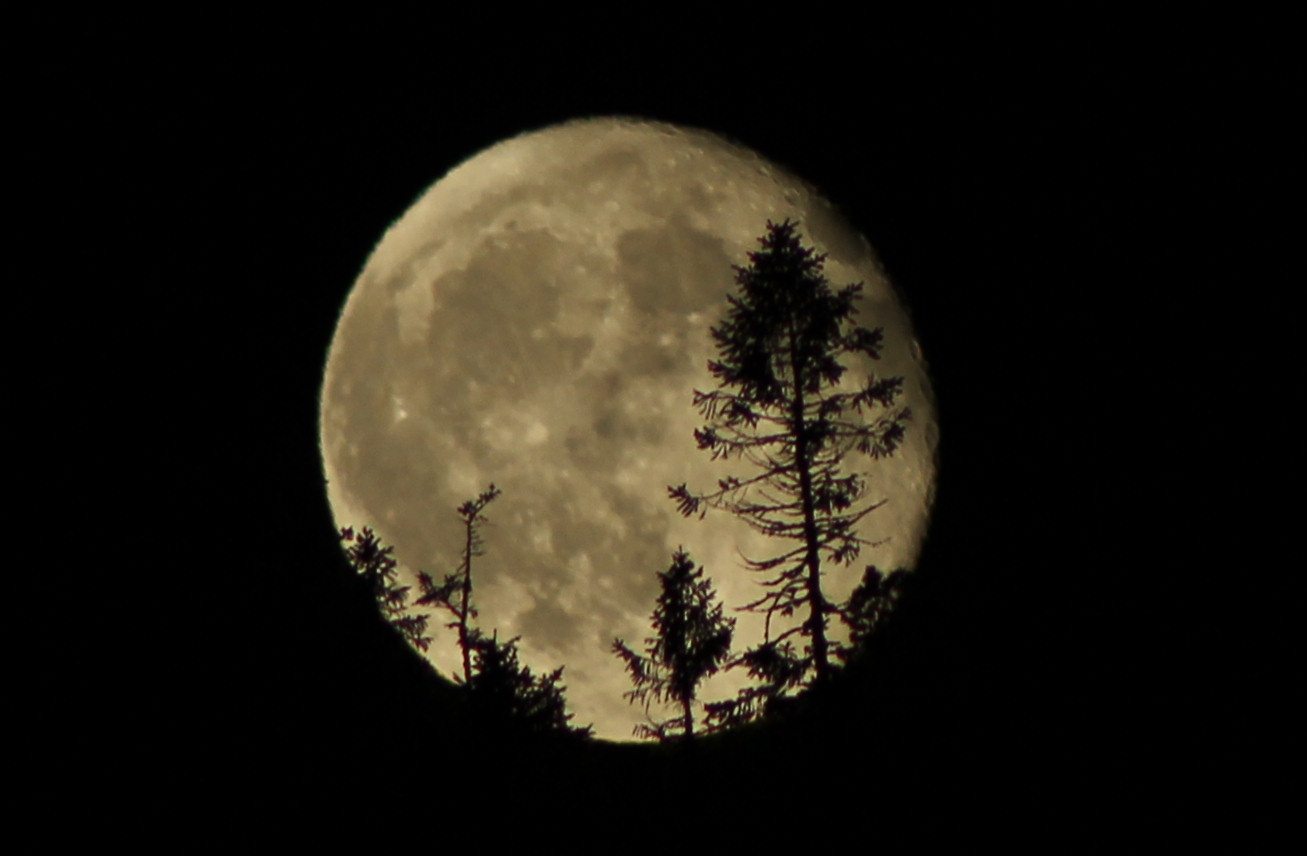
{"x": 1007, "y": 199}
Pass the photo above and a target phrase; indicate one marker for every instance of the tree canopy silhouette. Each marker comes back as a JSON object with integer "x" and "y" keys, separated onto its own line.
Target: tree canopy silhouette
{"x": 871, "y": 602}
{"x": 504, "y": 690}
{"x": 377, "y": 565}
{"x": 499, "y": 687}
{"x": 782, "y": 406}
{"x": 691, "y": 641}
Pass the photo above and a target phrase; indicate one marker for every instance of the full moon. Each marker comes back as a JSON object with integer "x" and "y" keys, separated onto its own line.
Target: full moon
{"x": 539, "y": 319}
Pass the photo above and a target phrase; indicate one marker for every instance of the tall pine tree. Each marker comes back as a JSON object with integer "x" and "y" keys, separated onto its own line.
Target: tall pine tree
{"x": 781, "y": 406}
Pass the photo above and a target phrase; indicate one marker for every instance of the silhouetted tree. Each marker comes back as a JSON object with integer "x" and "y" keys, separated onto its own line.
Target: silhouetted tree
{"x": 779, "y": 407}
{"x": 455, "y": 593}
{"x": 776, "y": 670}
{"x": 498, "y": 686}
{"x": 502, "y": 688}
{"x": 378, "y": 567}
{"x": 691, "y": 641}
{"x": 870, "y": 603}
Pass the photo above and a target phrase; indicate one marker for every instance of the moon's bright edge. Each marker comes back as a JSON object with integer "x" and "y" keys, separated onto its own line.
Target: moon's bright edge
{"x": 539, "y": 319}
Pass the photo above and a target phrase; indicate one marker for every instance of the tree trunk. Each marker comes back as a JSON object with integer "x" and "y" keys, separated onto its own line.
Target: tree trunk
{"x": 816, "y": 602}
{"x": 462, "y": 612}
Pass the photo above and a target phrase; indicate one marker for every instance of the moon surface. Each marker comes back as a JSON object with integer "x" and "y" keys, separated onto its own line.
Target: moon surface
{"x": 539, "y": 319}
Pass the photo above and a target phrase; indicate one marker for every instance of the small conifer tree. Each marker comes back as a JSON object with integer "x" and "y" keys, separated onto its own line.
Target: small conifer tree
{"x": 455, "y": 593}
{"x": 691, "y": 642}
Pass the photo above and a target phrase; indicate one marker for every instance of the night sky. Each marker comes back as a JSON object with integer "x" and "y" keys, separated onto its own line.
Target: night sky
{"x": 994, "y": 197}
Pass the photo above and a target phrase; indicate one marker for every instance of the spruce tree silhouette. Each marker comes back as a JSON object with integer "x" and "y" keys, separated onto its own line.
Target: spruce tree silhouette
{"x": 377, "y": 566}
{"x": 777, "y": 407}
{"x": 691, "y": 641}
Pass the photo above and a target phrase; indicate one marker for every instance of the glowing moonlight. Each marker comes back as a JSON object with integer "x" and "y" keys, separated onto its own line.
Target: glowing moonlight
{"x": 539, "y": 319}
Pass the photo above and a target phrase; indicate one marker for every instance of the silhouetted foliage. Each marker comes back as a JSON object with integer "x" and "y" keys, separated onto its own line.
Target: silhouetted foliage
{"x": 691, "y": 641}
{"x": 498, "y": 686}
{"x": 502, "y": 688}
{"x": 870, "y": 603}
{"x": 777, "y": 407}
{"x": 776, "y": 670}
{"x": 378, "y": 567}
{"x": 455, "y": 593}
